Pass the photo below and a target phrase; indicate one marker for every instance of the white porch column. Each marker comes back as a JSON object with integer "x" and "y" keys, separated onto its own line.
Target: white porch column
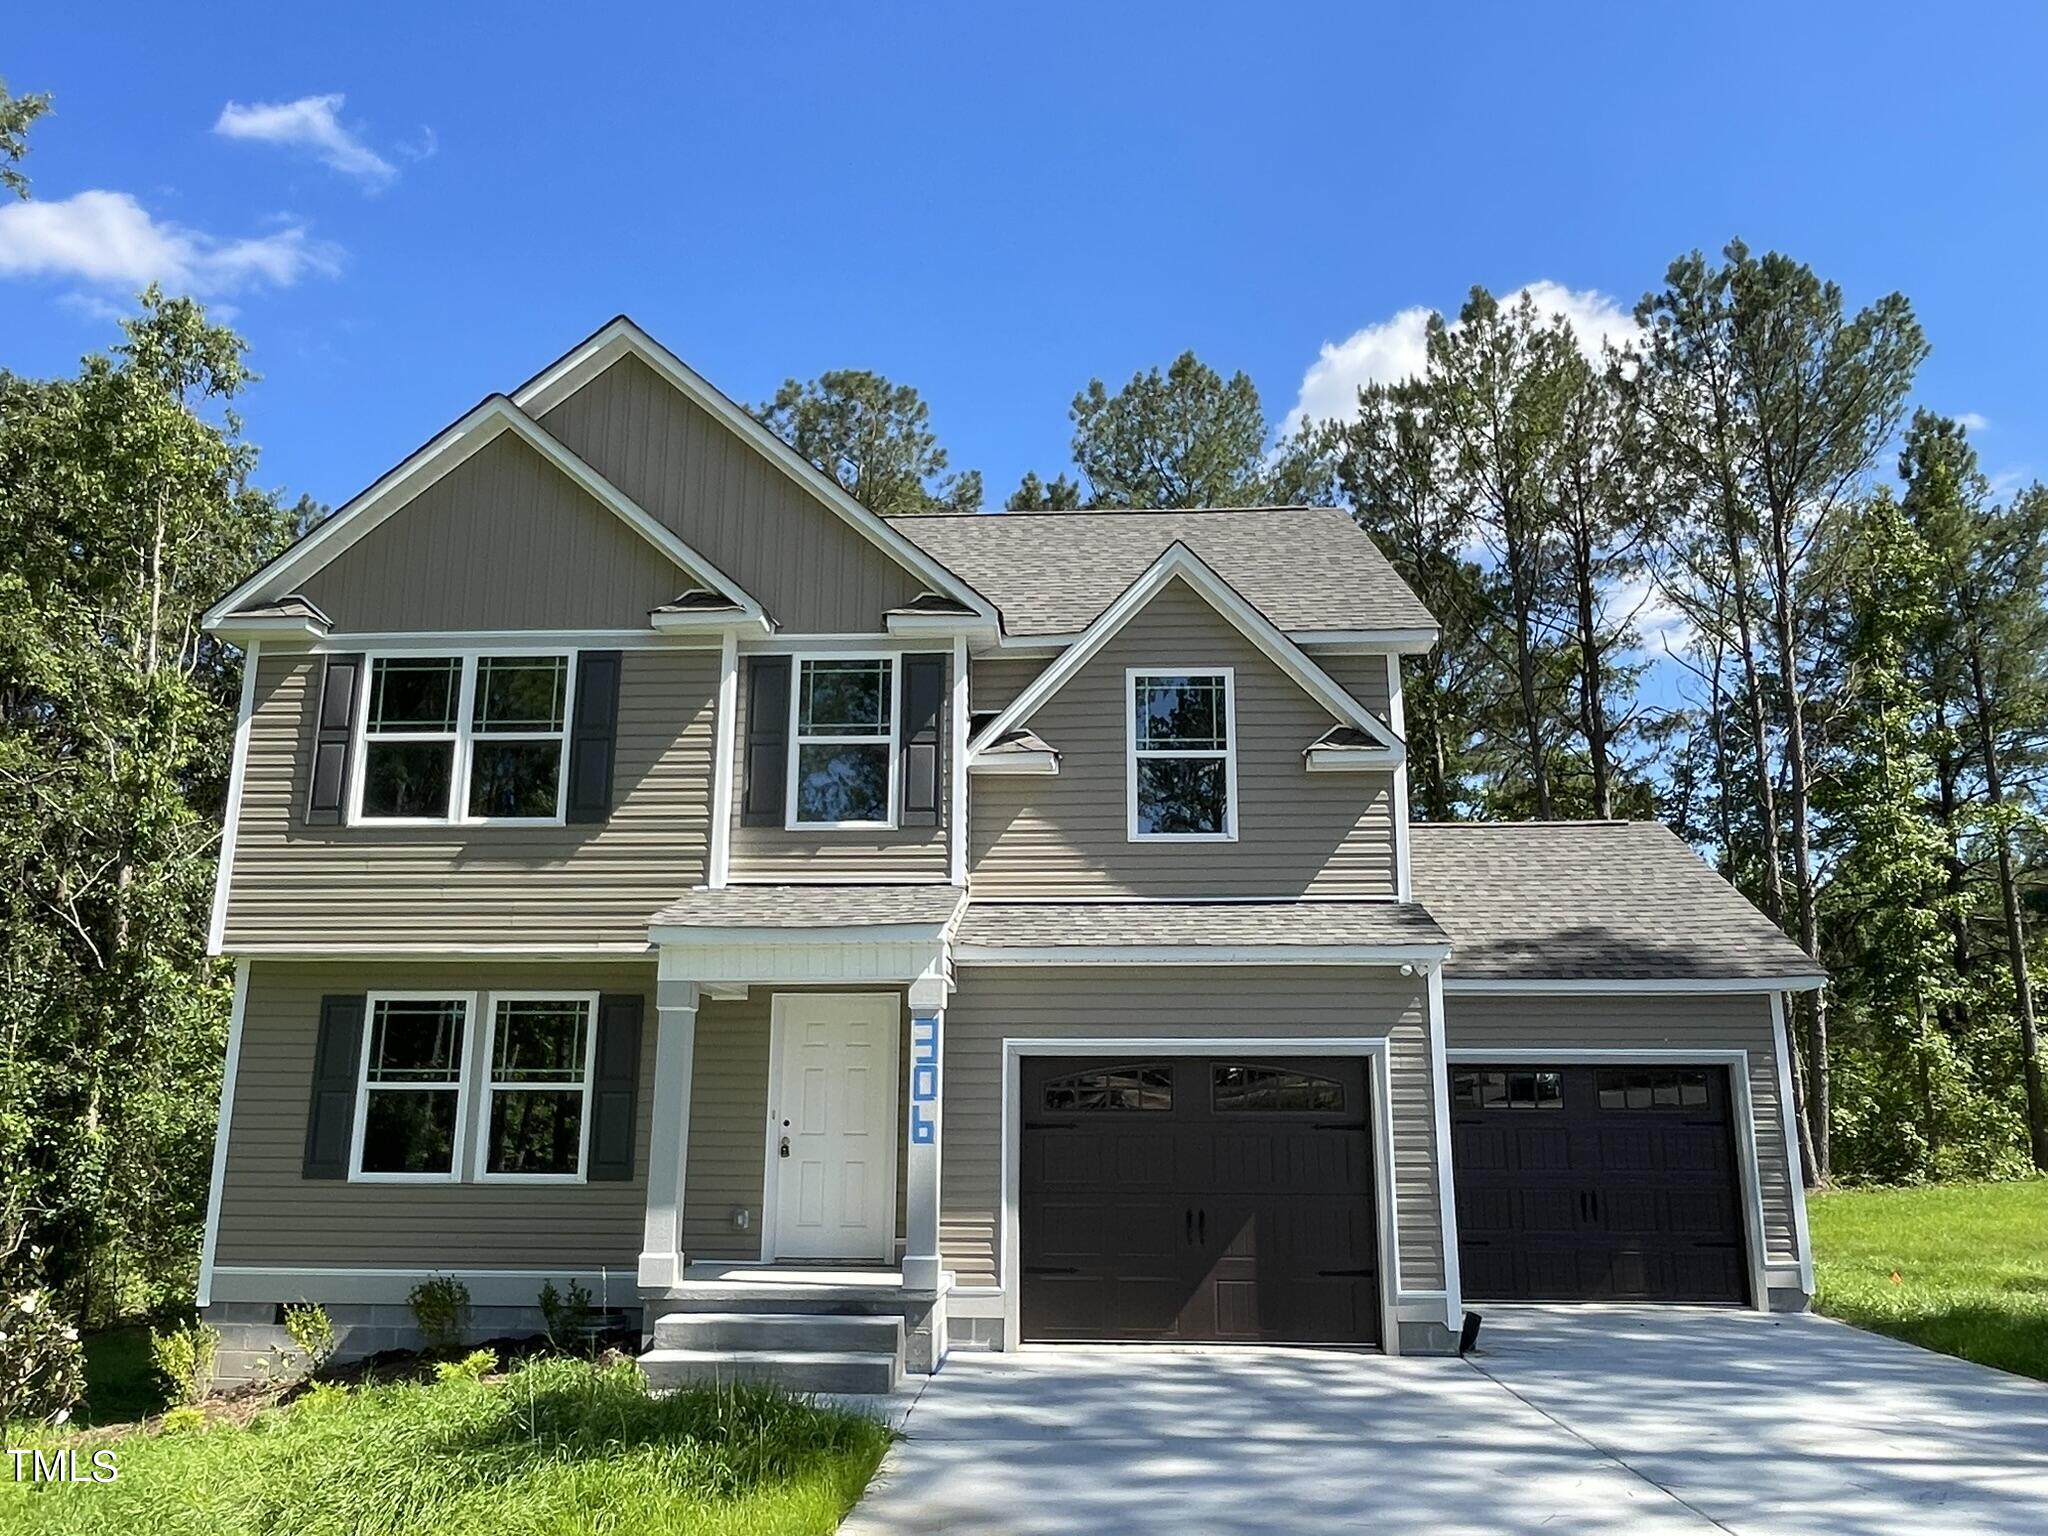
{"x": 925, "y": 1103}
{"x": 668, "y": 1144}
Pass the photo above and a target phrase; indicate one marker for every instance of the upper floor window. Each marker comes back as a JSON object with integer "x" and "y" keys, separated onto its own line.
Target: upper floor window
{"x": 464, "y": 738}
{"x": 843, "y": 747}
{"x": 1183, "y": 762}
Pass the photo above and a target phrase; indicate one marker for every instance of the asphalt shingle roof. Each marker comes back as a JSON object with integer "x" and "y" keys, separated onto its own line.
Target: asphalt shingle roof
{"x": 1051, "y": 573}
{"x": 810, "y": 906}
{"x": 1029, "y": 925}
{"x": 1601, "y": 900}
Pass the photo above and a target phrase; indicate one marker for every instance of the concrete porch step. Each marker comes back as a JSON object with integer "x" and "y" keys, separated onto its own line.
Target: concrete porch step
{"x": 789, "y": 1296}
{"x": 792, "y": 1370}
{"x": 787, "y": 1332}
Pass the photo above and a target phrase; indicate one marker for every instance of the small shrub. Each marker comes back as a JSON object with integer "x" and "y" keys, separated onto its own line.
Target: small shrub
{"x": 312, "y": 1331}
{"x": 185, "y": 1359}
{"x": 42, "y": 1364}
{"x": 567, "y": 1317}
{"x": 474, "y": 1366}
{"x": 185, "y": 1419}
{"x": 440, "y": 1305}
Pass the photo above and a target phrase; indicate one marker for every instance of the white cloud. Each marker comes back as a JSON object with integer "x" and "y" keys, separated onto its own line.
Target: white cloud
{"x": 311, "y": 123}
{"x": 1395, "y": 348}
{"x": 109, "y": 238}
{"x": 1973, "y": 421}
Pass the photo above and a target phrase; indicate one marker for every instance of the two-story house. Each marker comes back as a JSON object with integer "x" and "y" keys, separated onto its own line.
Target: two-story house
{"x": 646, "y": 866}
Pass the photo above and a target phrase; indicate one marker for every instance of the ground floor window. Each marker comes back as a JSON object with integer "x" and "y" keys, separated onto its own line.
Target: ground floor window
{"x": 537, "y": 1090}
{"x": 410, "y": 1112}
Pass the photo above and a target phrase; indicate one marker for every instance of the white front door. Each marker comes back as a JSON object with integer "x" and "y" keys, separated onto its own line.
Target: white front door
{"x": 832, "y": 1126}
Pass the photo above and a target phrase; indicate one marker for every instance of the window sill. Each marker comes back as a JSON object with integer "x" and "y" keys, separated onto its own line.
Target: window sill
{"x": 1181, "y": 837}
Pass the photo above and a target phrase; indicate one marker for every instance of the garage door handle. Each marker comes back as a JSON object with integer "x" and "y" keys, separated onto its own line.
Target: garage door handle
{"x": 1188, "y": 1219}
{"x": 1202, "y": 1226}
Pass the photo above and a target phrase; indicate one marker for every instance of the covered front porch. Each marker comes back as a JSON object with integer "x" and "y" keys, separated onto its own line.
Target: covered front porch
{"x": 794, "y": 1135}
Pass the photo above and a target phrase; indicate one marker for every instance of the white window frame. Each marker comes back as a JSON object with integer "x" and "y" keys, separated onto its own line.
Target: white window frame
{"x": 458, "y": 1154}
{"x": 464, "y": 736}
{"x": 487, "y": 1088}
{"x": 1228, "y": 753}
{"x": 798, "y": 660}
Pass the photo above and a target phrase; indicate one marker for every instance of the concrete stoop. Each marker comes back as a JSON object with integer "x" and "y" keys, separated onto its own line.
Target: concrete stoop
{"x": 797, "y": 1351}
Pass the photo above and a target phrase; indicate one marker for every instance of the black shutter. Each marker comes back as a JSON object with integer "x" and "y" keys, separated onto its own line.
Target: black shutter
{"x": 594, "y": 736}
{"x": 615, "y": 1086}
{"x": 918, "y": 737}
{"x": 765, "y": 781}
{"x": 331, "y": 1112}
{"x": 332, "y": 733}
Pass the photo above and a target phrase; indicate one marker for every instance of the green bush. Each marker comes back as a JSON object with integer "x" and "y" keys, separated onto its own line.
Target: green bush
{"x": 185, "y": 1359}
{"x": 42, "y": 1364}
{"x": 440, "y": 1305}
{"x": 567, "y": 1317}
{"x": 312, "y": 1333}
{"x": 474, "y": 1366}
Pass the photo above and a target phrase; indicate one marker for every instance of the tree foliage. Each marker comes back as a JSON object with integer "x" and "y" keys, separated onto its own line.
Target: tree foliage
{"x": 874, "y": 438}
{"x": 17, "y": 115}
{"x": 125, "y": 509}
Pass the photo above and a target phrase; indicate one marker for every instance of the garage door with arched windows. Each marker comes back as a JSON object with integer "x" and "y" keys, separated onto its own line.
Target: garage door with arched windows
{"x": 1182, "y": 1198}
{"x": 1597, "y": 1183}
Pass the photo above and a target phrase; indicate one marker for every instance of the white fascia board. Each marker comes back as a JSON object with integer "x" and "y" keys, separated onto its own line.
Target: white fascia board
{"x": 1044, "y": 764}
{"x": 249, "y": 629}
{"x": 1420, "y": 956}
{"x": 1183, "y": 563}
{"x": 1348, "y": 760}
{"x": 1363, "y": 642}
{"x": 715, "y": 623}
{"x": 441, "y": 457}
{"x": 679, "y": 935}
{"x": 942, "y": 626}
{"x": 1664, "y": 985}
{"x": 574, "y": 369}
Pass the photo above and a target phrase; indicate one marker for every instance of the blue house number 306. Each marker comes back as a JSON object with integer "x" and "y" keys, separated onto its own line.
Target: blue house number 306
{"x": 924, "y": 1079}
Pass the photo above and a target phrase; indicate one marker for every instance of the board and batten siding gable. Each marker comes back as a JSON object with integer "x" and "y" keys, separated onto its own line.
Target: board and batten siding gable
{"x": 1736, "y": 1021}
{"x": 295, "y": 885}
{"x": 797, "y": 557}
{"x": 273, "y": 1217}
{"x": 1298, "y": 833}
{"x": 505, "y": 541}
{"x": 1074, "y": 1002}
{"x": 775, "y": 854}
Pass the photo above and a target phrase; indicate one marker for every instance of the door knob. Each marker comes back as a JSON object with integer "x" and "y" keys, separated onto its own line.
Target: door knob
{"x": 785, "y": 1146}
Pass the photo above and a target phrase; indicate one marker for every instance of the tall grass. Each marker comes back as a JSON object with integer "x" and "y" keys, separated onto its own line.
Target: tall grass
{"x": 557, "y": 1446}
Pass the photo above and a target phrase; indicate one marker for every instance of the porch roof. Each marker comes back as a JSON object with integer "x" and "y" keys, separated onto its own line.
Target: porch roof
{"x": 811, "y": 906}
{"x": 1202, "y": 924}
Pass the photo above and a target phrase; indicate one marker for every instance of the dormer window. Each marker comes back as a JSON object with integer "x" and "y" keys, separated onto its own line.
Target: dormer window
{"x": 1182, "y": 760}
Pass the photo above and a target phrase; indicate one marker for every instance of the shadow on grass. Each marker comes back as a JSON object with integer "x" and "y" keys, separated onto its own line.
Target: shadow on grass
{"x": 121, "y": 1383}
{"x": 1988, "y": 1335}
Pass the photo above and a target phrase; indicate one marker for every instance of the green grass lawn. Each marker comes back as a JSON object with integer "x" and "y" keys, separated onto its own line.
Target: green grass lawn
{"x": 556, "y": 1446}
{"x": 1970, "y": 1260}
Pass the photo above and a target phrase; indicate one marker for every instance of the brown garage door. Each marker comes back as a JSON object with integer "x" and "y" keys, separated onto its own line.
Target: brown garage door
{"x": 1597, "y": 1184}
{"x": 1186, "y": 1198}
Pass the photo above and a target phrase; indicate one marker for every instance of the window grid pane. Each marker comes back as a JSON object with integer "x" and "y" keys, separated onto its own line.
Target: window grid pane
{"x": 409, "y": 1131}
{"x": 1111, "y": 1088}
{"x": 1181, "y": 713}
{"x": 844, "y": 699}
{"x": 1653, "y": 1088}
{"x": 1262, "y": 1089}
{"x": 520, "y": 693}
{"x": 414, "y": 693}
{"x": 1508, "y": 1088}
{"x": 539, "y": 1041}
{"x": 416, "y": 1042}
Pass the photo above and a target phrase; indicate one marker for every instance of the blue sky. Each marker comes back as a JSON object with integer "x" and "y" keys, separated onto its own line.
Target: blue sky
{"x": 995, "y": 203}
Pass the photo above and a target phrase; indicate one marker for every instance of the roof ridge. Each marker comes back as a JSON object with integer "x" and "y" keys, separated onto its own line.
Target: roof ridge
{"x": 1555, "y": 821}
{"x": 1272, "y": 506}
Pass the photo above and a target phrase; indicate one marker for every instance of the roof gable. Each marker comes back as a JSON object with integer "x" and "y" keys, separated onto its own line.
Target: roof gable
{"x": 1179, "y": 563}
{"x": 622, "y": 338}
{"x": 427, "y": 467}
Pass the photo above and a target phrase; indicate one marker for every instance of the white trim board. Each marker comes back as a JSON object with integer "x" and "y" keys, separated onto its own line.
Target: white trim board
{"x": 210, "y": 1244}
{"x": 621, "y": 336}
{"x": 1181, "y": 563}
{"x": 366, "y": 1286}
{"x": 1418, "y": 956}
{"x": 1795, "y": 1161}
{"x": 1010, "y": 1123}
{"x": 1741, "y": 1108}
{"x": 1596, "y": 987}
{"x": 482, "y": 426}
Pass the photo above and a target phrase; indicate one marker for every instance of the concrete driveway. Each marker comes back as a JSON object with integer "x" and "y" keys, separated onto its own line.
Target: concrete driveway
{"x": 1643, "y": 1420}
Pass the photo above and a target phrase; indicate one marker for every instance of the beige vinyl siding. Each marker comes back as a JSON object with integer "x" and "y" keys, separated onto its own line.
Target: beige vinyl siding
{"x": 994, "y": 681}
{"x": 271, "y": 1216}
{"x": 296, "y": 886}
{"x": 1298, "y": 833}
{"x": 729, "y": 1126}
{"x": 775, "y": 854}
{"x": 505, "y": 541}
{"x": 812, "y": 571}
{"x": 1363, "y": 677}
{"x": 1653, "y": 1022}
{"x": 995, "y": 1002}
